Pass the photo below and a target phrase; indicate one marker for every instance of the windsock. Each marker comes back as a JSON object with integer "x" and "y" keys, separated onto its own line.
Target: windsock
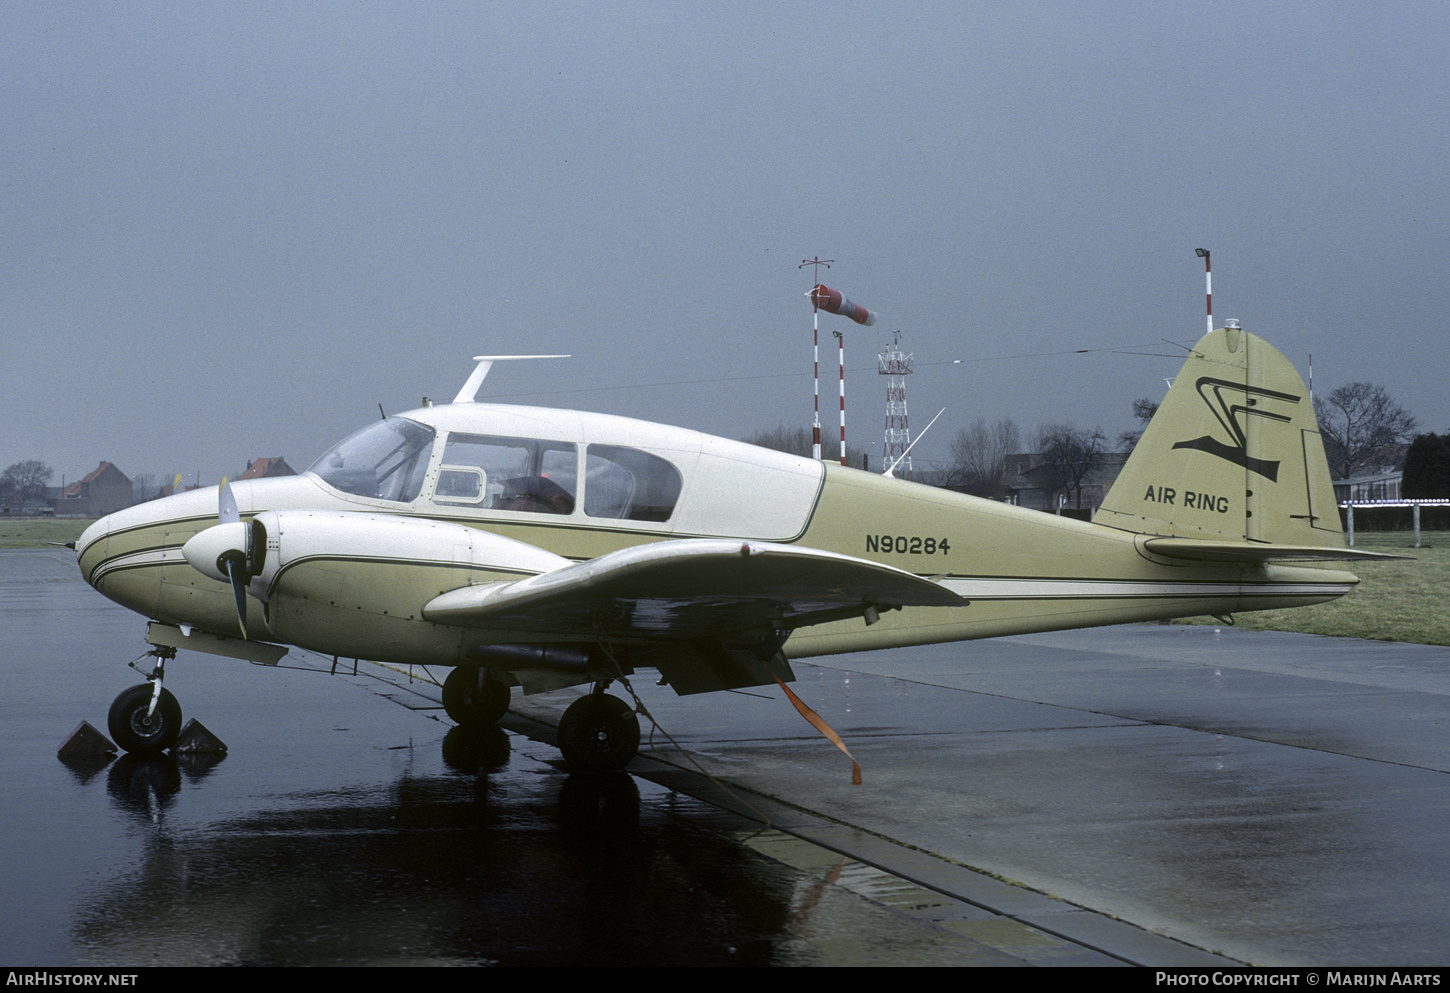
{"x": 832, "y": 302}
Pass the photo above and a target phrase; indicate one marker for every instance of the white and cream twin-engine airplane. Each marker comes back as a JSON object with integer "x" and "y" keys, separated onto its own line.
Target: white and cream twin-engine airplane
{"x": 544, "y": 548}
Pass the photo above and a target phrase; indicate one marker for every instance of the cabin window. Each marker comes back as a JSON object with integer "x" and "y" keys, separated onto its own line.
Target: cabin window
{"x": 522, "y": 474}
{"x": 630, "y": 485}
{"x": 387, "y": 460}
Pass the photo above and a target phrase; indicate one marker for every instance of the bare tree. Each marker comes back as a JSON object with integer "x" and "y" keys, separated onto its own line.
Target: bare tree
{"x": 1069, "y": 455}
{"x": 1364, "y": 429}
{"x": 1143, "y": 410}
{"x": 979, "y": 457}
{"x": 797, "y": 441}
{"x": 24, "y": 481}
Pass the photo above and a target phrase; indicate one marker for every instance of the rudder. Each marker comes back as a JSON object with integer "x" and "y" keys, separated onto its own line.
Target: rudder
{"x": 1233, "y": 453}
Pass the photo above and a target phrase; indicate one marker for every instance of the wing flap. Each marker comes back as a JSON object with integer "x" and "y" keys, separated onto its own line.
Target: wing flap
{"x": 690, "y": 588}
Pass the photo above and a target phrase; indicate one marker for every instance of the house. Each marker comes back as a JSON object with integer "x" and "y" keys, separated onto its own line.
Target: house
{"x": 1028, "y": 484}
{"x": 267, "y": 468}
{"x": 1368, "y": 486}
{"x": 171, "y": 488}
{"x": 105, "y": 491}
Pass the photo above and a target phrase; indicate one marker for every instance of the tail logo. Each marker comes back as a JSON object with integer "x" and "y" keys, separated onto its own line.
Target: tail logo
{"x": 1232, "y": 414}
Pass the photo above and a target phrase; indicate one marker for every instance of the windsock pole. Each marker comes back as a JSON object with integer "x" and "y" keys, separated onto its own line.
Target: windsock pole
{"x": 816, "y": 375}
{"x": 832, "y": 302}
{"x": 816, "y": 263}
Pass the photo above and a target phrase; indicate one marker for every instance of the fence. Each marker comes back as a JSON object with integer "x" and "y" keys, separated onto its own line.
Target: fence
{"x": 1394, "y": 515}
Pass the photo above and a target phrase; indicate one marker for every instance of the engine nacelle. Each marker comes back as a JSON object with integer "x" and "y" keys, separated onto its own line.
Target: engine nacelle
{"x": 354, "y": 584}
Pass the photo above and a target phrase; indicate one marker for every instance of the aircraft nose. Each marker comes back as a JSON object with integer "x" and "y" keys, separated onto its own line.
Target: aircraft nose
{"x": 98, "y": 530}
{"x": 93, "y": 537}
{"x": 207, "y": 550}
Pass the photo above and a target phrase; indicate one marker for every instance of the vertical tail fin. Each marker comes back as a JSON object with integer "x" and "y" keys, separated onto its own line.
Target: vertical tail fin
{"x": 1234, "y": 453}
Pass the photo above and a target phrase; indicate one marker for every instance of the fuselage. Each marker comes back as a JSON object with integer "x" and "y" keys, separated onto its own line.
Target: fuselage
{"x": 578, "y": 485}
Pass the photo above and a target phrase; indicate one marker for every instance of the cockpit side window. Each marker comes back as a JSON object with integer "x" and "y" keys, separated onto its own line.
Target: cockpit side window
{"x": 628, "y": 484}
{"x": 493, "y": 473}
{"x": 387, "y": 460}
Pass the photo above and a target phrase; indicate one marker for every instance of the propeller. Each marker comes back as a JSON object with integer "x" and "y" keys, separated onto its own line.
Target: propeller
{"x": 231, "y": 551}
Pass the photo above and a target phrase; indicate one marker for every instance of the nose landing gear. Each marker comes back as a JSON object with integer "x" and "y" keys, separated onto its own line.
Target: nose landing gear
{"x": 146, "y": 719}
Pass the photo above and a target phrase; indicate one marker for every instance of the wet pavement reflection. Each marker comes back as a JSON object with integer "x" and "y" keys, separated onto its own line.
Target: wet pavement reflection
{"x": 491, "y": 863}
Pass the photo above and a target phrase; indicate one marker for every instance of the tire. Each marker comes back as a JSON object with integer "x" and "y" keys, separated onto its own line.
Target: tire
{"x": 134, "y": 732}
{"x": 471, "y": 701}
{"x": 598, "y": 733}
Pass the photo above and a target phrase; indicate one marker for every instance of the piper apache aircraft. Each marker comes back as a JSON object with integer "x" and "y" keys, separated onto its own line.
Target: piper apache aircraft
{"x": 540, "y": 548}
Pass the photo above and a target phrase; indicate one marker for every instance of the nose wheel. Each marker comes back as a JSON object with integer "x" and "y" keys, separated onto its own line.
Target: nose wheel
{"x": 598, "y": 733}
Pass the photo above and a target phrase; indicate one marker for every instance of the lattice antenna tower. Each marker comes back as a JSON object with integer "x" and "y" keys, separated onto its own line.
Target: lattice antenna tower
{"x": 895, "y": 365}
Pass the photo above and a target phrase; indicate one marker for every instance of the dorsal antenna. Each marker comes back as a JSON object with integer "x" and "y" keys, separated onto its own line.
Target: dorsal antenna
{"x": 891, "y": 469}
{"x": 485, "y": 362}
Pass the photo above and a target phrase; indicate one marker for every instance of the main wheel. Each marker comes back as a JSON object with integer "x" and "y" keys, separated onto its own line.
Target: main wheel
{"x": 598, "y": 733}
{"x": 135, "y": 731}
{"x": 473, "y": 698}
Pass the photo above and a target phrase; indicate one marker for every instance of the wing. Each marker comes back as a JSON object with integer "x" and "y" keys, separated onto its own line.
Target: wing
{"x": 708, "y": 614}
{"x": 690, "y": 589}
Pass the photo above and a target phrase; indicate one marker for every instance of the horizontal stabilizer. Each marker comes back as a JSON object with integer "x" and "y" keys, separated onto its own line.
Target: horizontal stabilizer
{"x": 1248, "y": 551}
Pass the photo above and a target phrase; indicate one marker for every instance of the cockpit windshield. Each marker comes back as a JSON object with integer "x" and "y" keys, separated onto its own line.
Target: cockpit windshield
{"x": 387, "y": 460}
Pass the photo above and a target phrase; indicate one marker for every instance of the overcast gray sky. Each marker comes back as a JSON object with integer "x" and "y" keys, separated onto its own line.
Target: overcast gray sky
{"x": 232, "y": 230}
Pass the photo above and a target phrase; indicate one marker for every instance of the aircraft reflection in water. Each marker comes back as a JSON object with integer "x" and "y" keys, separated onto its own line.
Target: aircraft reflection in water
{"x": 545, "y": 548}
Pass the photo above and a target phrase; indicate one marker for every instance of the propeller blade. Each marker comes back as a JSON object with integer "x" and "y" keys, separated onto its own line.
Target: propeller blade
{"x": 227, "y": 551}
{"x": 235, "y": 571}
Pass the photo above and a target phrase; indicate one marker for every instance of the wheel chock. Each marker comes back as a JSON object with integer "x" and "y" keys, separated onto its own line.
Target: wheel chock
{"x": 195, "y": 739}
{"x": 85, "y": 744}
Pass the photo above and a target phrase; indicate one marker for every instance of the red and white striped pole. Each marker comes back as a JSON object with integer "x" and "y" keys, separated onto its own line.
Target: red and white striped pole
{"x": 1208, "y": 284}
{"x": 841, "y": 345}
{"x": 816, "y": 264}
{"x": 816, "y": 360}
{"x": 833, "y": 302}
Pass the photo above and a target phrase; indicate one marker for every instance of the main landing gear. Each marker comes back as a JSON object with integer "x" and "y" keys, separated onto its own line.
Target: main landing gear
{"x": 473, "y": 698}
{"x": 146, "y": 719}
{"x": 598, "y": 733}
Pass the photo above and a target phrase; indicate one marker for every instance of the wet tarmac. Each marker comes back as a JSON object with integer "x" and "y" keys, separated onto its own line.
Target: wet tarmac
{"x": 1155, "y": 795}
